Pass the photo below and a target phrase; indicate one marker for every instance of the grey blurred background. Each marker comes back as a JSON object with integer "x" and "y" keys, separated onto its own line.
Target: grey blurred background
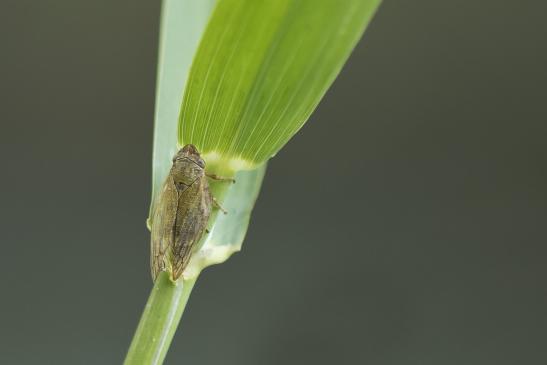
{"x": 405, "y": 224}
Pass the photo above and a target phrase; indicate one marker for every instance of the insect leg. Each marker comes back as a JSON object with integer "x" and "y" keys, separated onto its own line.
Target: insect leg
{"x": 217, "y": 205}
{"x": 220, "y": 178}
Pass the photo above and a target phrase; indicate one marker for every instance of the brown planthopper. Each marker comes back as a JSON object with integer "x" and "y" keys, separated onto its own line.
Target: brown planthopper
{"x": 180, "y": 217}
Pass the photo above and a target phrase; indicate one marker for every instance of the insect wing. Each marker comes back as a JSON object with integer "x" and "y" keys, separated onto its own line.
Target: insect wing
{"x": 193, "y": 211}
{"x": 163, "y": 223}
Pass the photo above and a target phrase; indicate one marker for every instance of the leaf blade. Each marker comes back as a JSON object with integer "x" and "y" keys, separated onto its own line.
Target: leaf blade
{"x": 249, "y": 92}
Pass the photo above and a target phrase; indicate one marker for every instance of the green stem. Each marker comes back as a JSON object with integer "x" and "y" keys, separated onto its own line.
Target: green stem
{"x": 159, "y": 321}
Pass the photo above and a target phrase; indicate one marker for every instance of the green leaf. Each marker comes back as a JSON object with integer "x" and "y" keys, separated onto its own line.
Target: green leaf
{"x": 260, "y": 71}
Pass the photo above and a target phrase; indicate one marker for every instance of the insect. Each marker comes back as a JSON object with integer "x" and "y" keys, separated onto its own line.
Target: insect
{"x": 180, "y": 217}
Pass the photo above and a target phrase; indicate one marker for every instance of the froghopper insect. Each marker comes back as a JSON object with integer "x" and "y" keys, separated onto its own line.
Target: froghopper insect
{"x": 181, "y": 215}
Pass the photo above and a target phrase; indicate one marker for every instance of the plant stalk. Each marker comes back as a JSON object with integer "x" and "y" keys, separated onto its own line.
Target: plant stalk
{"x": 159, "y": 321}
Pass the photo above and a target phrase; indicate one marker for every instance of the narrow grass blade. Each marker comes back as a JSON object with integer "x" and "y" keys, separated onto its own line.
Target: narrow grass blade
{"x": 261, "y": 70}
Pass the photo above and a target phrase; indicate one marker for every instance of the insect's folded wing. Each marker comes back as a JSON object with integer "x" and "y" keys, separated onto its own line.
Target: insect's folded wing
{"x": 163, "y": 224}
{"x": 192, "y": 216}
